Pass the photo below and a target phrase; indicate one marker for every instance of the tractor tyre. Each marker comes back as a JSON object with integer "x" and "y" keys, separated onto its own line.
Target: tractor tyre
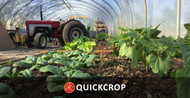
{"x": 74, "y": 30}
{"x": 28, "y": 42}
{"x": 40, "y": 40}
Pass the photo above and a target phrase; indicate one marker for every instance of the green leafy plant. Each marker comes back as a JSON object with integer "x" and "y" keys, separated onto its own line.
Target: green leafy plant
{"x": 46, "y": 57}
{"x": 6, "y": 91}
{"x": 101, "y": 36}
{"x": 77, "y": 74}
{"x": 10, "y": 63}
{"x": 13, "y": 75}
{"x": 21, "y": 64}
{"x": 187, "y": 37}
{"x": 83, "y": 43}
{"x": 55, "y": 83}
{"x": 42, "y": 62}
{"x": 64, "y": 68}
{"x": 69, "y": 64}
{"x": 159, "y": 56}
{"x": 35, "y": 67}
{"x": 129, "y": 52}
{"x": 145, "y": 46}
{"x": 53, "y": 69}
{"x": 182, "y": 76}
{"x": 74, "y": 60}
{"x": 28, "y": 74}
{"x": 4, "y": 70}
{"x": 127, "y": 44}
{"x": 30, "y": 60}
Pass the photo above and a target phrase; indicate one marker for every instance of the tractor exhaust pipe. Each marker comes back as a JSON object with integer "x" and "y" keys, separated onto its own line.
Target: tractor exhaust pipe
{"x": 41, "y": 13}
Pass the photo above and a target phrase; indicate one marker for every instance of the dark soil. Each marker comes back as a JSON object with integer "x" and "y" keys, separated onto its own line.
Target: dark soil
{"x": 110, "y": 70}
{"x": 103, "y": 45}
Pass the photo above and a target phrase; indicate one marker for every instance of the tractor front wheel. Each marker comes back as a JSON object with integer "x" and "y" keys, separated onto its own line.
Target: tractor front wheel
{"x": 40, "y": 40}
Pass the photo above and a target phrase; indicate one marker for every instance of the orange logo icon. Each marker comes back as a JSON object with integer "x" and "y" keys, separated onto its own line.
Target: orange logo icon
{"x": 69, "y": 87}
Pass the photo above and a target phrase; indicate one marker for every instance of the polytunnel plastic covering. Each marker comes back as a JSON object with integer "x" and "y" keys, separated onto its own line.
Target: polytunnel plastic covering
{"x": 114, "y": 13}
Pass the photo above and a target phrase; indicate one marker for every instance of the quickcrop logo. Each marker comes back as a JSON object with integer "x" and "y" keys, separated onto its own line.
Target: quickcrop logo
{"x": 69, "y": 87}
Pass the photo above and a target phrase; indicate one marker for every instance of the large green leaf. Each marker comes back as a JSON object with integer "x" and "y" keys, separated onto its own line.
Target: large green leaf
{"x": 89, "y": 60}
{"x": 31, "y": 59}
{"x": 6, "y": 91}
{"x": 187, "y": 37}
{"x": 140, "y": 53}
{"x": 75, "y": 65}
{"x": 183, "y": 75}
{"x": 149, "y": 44}
{"x": 62, "y": 57}
{"x": 185, "y": 51}
{"x": 41, "y": 62}
{"x": 64, "y": 68}
{"x": 35, "y": 67}
{"x": 77, "y": 52}
{"x": 155, "y": 44}
{"x": 13, "y": 75}
{"x": 55, "y": 83}
{"x": 77, "y": 74}
{"x": 46, "y": 57}
{"x": 55, "y": 78}
{"x": 53, "y": 69}
{"x": 21, "y": 64}
{"x": 62, "y": 62}
{"x": 149, "y": 32}
{"x": 4, "y": 71}
{"x": 166, "y": 41}
{"x": 54, "y": 87}
{"x": 82, "y": 58}
{"x": 160, "y": 65}
{"x": 129, "y": 52}
{"x": 28, "y": 74}
{"x": 154, "y": 33}
{"x": 183, "y": 80}
{"x": 69, "y": 73}
{"x": 80, "y": 75}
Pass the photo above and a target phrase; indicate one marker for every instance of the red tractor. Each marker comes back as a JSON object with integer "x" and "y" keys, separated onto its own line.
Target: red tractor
{"x": 38, "y": 31}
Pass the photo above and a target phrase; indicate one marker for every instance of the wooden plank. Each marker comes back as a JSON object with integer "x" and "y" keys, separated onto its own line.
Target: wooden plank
{"x": 103, "y": 51}
{"x": 96, "y": 51}
{"x": 15, "y": 60}
{"x": 44, "y": 52}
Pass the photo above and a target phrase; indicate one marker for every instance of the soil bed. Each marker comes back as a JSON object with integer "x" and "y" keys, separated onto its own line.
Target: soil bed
{"x": 110, "y": 70}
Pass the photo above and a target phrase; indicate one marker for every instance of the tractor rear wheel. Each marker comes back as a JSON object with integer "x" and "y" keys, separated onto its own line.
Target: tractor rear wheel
{"x": 40, "y": 40}
{"x": 28, "y": 42}
{"x": 74, "y": 30}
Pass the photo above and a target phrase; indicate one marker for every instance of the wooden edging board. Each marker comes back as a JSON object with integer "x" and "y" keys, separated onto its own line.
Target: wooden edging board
{"x": 44, "y": 52}
{"x": 15, "y": 60}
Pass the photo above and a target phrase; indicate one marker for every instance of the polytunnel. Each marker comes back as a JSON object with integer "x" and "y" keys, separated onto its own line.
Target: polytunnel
{"x": 114, "y": 13}
{"x": 94, "y": 49}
